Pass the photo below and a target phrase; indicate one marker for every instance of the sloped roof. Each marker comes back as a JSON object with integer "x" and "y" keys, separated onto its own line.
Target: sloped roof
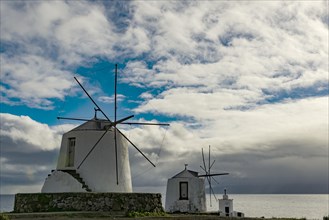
{"x": 186, "y": 173}
{"x": 93, "y": 124}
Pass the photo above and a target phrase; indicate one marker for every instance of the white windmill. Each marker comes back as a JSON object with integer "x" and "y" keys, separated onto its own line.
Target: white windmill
{"x": 94, "y": 156}
{"x": 186, "y": 190}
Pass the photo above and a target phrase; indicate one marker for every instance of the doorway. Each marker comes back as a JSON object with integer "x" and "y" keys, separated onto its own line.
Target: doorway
{"x": 71, "y": 152}
{"x": 183, "y": 191}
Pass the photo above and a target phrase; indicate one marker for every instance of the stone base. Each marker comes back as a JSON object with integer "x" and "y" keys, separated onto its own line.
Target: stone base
{"x": 105, "y": 202}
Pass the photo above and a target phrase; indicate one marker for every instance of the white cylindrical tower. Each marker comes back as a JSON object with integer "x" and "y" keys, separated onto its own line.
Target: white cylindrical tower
{"x": 98, "y": 171}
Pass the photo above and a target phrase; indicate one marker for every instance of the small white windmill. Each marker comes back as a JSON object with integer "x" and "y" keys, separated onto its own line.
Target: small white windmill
{"x": 186, "y": 190}
{"x": 94, "y": 156}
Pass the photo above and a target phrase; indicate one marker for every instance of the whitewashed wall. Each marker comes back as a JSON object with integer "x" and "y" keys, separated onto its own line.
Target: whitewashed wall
{"x": 196, "y": 195}
{"x": 98, "y": 171}
{"x": 60, "y": 181}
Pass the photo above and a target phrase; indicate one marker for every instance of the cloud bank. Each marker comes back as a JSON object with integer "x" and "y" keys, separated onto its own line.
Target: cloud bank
{"x": 29, "y": 151}
{"x": 265, "y": 150}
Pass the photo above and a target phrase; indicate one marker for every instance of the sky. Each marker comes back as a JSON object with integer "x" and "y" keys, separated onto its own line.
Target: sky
{"x": 248, "y": 78}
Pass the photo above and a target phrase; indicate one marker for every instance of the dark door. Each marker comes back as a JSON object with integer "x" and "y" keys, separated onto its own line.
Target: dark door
{"x": 71, "y": 151}
{"x": 183, "y": 190}
{"x": 227, "y": 211}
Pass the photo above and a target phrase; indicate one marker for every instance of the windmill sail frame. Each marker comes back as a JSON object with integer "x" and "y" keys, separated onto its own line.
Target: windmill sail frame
{"x": 208, "y": 175}
{"x": 112, "y": 124}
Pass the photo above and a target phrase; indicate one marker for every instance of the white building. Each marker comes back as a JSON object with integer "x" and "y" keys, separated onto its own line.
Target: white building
{"x": 186, "y": 193}
{"x": 226, "y": 207}
{"x": 98, "y": 172}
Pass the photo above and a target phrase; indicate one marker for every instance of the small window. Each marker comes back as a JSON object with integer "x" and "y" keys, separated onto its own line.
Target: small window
{"x": 183, "y": 191}
{"x": 70, "y": 153}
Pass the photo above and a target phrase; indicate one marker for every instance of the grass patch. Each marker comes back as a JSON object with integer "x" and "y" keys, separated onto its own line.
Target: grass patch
{"x": 145, "y": 214}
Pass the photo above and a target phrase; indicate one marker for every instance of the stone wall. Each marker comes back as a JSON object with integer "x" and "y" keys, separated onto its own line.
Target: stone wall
{"x": 107, "y": 202}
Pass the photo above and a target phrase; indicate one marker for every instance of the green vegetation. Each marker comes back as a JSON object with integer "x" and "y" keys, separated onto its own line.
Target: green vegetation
{"x": 145, "y": 214}
{"x": 326, "y": 217}
{"x": 275, "y": 218}
{"x": 3, "y": 217}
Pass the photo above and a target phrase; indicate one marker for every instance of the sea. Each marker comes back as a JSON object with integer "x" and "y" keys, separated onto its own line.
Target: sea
{"x": 309, "y": 206}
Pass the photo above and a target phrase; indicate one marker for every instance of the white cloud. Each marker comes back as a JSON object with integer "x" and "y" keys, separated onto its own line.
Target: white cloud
{"x": 271, "y": 45}
{"x": 303, "y": 122}
{"x": 85, "y": 34}
{"x": 43, "y": 41}
{"x": 23, "y": 134}
{"x": 137, "y": 74}
{"x": 146, "y": 96}
{"x": 248, "y": 46}
{"x": 107, "y": 99}
{"x": 193, "y": 102}
{"x": 29, "y": 152}
{"x": 34, "y": 80}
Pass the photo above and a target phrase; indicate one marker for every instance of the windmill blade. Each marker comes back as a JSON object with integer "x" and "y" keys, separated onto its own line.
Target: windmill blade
{"x": 209, "y": 181}
{"x": 145, "y": 123}
{"x": 207, "y": 177}
{"x": 214, "y": 180}
{"x": 136, "y": 148}
{"x": 116, "y": 154}
{"x": 213, "y": 193}
{"x": 209, "y": 161}
{"x": 122, "y": 120}
{"x": 204, "y": 163}
{"x": 212, "y": 164}
{"x": 203, "y": 169}
{"x": 115, "y": 138}
{"x": 91, "y": 150}
{"x": 115, "y": 92}
{"x": 115, "y": 120}
{"x": 213, "y": 174}
{"x": 211, "y": 190}
{"x": 92, "y": 99}
{"x": 111, "y": 123}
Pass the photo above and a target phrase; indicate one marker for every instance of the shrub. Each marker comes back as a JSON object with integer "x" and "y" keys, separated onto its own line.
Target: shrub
{"x": 3, "y": 217}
